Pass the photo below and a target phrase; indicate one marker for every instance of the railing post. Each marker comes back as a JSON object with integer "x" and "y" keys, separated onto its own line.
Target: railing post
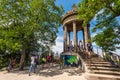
{"x": 118, "y": 60}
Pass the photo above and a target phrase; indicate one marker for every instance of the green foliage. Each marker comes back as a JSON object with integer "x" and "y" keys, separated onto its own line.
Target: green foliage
{"x": 108, "y": 38}
{"x": 23, "y": 23}
{"x": 107, "y": 57}
{"x": 105, "y": 12}
{"x": 28, "y": 24}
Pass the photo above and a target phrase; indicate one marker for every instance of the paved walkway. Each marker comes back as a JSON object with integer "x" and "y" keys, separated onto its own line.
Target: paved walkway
{"x": 44, "y": 74}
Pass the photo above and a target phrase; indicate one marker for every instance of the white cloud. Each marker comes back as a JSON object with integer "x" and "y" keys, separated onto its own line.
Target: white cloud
{"x": 59, "y": 45}
{"x": 94, "y": 44}
{"x": 100, "y": 12}
{"x": 93, "y": 34}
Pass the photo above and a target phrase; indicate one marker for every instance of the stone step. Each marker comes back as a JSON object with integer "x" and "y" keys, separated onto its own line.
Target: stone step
{"x": 94, "y": 60}
{"x": 93, "y": 76}
{"x": 105, "y": 72}
{"x": 102, "y": 62}
{"x": 108, "y": 66}
{"x": 89, "y": 64}
{"x": 103, "y": 68}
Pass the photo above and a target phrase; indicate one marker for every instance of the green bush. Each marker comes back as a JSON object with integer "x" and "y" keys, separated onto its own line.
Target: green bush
{"x": 107, "y": 57}
{"x": 3, "y": 62}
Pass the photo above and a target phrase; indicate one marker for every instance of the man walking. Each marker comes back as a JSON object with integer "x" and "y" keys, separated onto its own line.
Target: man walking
{"x": 33, "y": 63}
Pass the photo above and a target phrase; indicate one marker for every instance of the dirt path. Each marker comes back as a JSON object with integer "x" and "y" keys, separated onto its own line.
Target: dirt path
{"x": 44, "y": 74}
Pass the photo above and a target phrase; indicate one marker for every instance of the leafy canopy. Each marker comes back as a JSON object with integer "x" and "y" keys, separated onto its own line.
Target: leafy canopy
{"x": 106, "y": 13}
{"x": 28, "y": 23}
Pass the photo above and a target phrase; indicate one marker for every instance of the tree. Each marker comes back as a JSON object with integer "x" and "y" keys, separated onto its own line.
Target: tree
{"x": 105, "y": 12}
{"x": 27, "y": 24}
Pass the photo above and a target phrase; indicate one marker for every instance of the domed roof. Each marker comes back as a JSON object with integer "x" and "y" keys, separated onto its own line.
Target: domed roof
{"x": 73, "y": 11}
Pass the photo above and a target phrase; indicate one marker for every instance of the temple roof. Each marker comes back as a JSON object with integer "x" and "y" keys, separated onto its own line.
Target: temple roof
{"x": 73, "y": 11}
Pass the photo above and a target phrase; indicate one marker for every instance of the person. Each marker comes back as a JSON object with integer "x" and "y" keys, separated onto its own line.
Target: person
{"x": 80, "y": 45}
{"x": 61, "y": 60}
{"x": 43, "y": 60}
{"x": 89, "y": 45}
{"x": 52, "y": 58}
{"x": 71, "y": 46}
{"x": 36, "y": 61}
{"x": 33, "y": 63}
{"x": 14, "y": 63}
{"x": 48, "y": 58}
{"x": 9, "y": 65}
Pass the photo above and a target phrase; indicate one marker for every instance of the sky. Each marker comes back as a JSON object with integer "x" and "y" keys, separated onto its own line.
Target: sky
{"x": 67, "y": 5}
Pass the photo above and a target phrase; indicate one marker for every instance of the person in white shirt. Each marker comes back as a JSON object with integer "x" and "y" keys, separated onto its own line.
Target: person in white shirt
{"x": 33, "y": 63}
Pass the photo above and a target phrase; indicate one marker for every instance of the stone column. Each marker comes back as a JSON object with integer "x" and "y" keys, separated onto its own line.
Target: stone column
{"x": 68, "y": 38}
{"x": 88, "y": 31}
{"x": 77, "y": 39}
{"x": 65, "y": 39}
{"x": 83, "y": 38}
{"x": 86, "y": 38}
{"x": 75, "y": 36}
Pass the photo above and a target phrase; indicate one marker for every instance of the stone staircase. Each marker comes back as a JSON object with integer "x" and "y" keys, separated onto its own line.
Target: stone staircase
{"x": 99, "y": 69}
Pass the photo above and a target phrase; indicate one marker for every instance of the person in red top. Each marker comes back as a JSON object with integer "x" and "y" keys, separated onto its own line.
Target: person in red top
{"x": 48, "y": 58}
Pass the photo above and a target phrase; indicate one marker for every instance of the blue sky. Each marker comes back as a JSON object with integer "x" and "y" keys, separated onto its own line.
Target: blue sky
{"x": 67, "y": 5}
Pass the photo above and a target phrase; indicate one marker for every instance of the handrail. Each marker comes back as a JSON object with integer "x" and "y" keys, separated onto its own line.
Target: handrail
{"x": 113, "y": 58}
{"x": 108, "y": 56}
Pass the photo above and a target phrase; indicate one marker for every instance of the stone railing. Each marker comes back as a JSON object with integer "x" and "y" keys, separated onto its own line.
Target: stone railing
{"x": 113, "y": 58}
{"x": 108, "y": 56}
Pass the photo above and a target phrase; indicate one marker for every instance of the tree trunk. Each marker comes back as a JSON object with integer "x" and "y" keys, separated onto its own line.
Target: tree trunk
{"x": 22, "y": 60}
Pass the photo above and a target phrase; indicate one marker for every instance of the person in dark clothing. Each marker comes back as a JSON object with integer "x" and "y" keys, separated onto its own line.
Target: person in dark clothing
{"x": 9, "y": 65}
{"x": 90, "y": 49}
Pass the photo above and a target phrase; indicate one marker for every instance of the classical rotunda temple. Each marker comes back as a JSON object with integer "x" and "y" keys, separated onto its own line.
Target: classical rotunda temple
{"x": 71, "y": 23}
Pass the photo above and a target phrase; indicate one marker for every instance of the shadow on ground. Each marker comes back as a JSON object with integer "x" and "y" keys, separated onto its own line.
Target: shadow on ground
{"x": 52, "y": 71}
